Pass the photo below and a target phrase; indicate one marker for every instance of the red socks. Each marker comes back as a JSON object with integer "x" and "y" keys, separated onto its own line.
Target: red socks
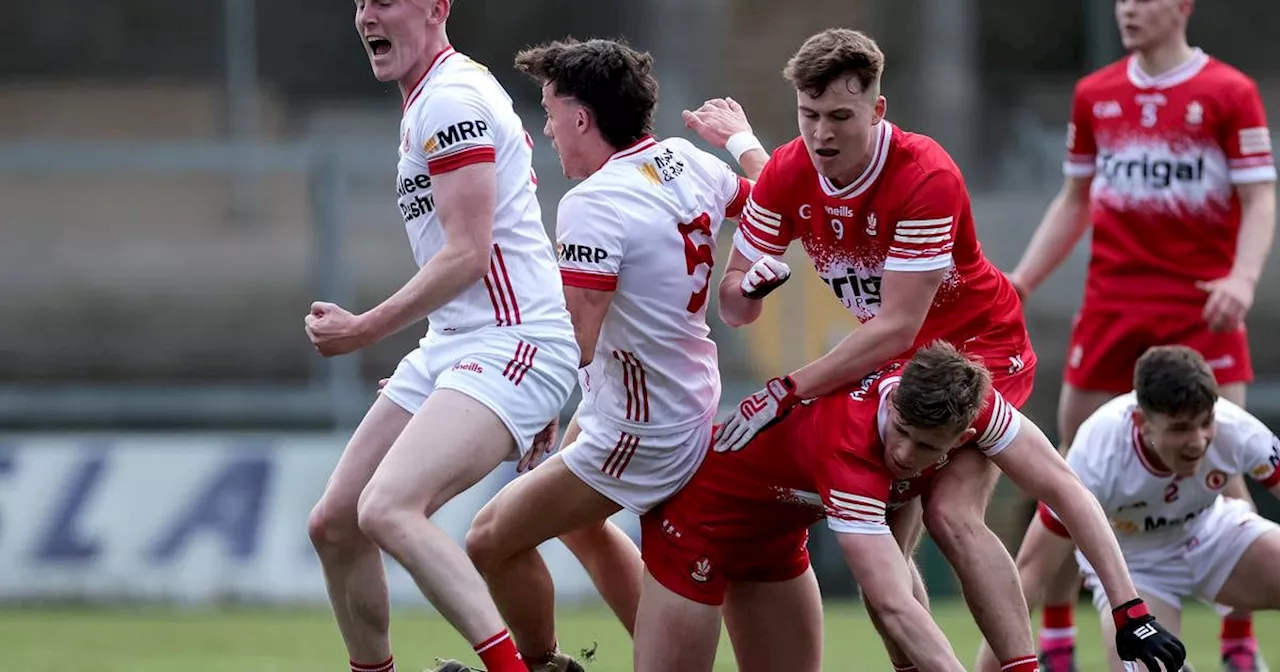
{"x": 388, "y": 665}
{"x": 499, "y": 654}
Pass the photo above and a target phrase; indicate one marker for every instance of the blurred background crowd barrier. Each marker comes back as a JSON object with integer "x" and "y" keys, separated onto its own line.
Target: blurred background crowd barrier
{"x": 178, "y": 181}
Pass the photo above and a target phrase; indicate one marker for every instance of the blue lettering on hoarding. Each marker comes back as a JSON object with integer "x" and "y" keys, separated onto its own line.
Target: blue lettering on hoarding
{"x": 63, "y": 540}
{"x": 230, "y": 505}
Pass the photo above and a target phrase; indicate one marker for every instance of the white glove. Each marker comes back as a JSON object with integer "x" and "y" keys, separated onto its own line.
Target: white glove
{"x": 755, "y": 413}
{"x": 764, "y": 276}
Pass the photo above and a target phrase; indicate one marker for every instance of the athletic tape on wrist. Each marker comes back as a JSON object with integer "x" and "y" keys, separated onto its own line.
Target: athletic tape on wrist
{"x": 742, "y": 142}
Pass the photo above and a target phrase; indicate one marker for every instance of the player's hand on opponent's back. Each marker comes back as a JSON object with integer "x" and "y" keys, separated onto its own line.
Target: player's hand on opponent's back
{"x": 1230, "y": 299}
{"x": 717, "y": 120}
{"x": 1140, "y": 638}
{"x": 334, "y": 330}
{"x": 755, "y": 413}
{"x": 542, "y": 445}
{"x": 764, "y": 276}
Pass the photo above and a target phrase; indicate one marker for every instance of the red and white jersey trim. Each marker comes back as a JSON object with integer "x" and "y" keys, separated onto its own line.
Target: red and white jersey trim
{"x": 621, "y": 455}
{"x": 1171, "y": 78}
{"x": 868, "y": 177}
{"x": 633, "y": 379}
{"x": 921, "y": 245}
{"x": 506, "y": 309}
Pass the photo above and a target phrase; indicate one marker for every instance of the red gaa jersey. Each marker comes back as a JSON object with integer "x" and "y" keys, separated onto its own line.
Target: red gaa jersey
{"x": 1165, "y": 153}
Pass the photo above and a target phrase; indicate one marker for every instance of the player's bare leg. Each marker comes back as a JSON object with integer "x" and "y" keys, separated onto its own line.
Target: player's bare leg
{"x": 776, "y": 626}
{"x": 1253, "y": 585}
{"x": 352, "y": 564}
{"x": 503, "y": 543}
{"x": 674, "y": 633}
{"x": 449, "y": 445}
{"x": 1168, "y": 615}
{"x": 955, "y": 515}
{"x": 1057, "y": 627}
{"x": 613, "y": 562}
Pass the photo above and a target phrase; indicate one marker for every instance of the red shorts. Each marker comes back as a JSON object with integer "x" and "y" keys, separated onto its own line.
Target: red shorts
{"x": 1014, "y": 385}
{"x": 696, "y": 558}
{"x": 1106, "y": 344}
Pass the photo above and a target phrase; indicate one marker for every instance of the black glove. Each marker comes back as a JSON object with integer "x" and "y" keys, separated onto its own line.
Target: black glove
{"x": 1140, "y": 638}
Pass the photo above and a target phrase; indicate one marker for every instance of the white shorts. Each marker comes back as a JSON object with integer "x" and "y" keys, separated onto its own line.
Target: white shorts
{"x": 523, "y": 374}
{"x": 1196, "y": 564}
{"x": 636, "y": 472}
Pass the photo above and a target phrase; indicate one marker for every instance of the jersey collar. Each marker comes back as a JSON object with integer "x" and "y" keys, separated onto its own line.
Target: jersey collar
{"x": 1171, "y": 78}
{"x": 1142, "y": 455}
{"x": 884, "y": 134}
{"x": 422, "y": 81}
{"x": 634, "y": 148}
{"x": 882, "y": 410}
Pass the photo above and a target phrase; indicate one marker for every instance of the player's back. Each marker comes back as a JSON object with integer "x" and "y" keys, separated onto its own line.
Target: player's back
{"x": 459, "y": 115}
{"x": 655, "y": 368}
{"x": 1165, "y": 153}
{"x": 1148, "y": 504}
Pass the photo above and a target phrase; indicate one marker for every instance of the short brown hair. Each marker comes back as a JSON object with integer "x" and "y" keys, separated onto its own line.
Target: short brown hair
{"x": 609, "y": 78}
{"x": 941, "y": 389}
{"x": 1174, "y": 380}
{"x": 832, "y": 54}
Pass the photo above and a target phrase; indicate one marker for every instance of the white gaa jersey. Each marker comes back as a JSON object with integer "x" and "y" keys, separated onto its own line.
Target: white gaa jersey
{"x": 1149, "y": 507}
{"x": 456, "y": 116}
{"x": 644, "y": 226}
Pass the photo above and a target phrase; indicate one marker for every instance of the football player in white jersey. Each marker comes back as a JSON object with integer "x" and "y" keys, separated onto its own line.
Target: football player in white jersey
{"x": 637, "y": 246}
{"x": 496, "y": 365}
{"x": 1158, "y": 459}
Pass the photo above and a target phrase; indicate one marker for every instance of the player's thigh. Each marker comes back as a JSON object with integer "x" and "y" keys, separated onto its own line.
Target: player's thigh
{"x": 776, "y": 625}
{"x": 451, "y": 443}
{"x": 958, "y": 494}
{"x": 906, "y": 521}
{"x": 382, "y": 424}
{"x": 1075, "y": 405}
{"x": 544, "y": 503}
{"x": 1254, "y": 583}
{"x": 674, "y": 632}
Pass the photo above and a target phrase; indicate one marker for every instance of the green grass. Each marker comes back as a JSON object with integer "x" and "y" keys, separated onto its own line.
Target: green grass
{"x": 251, "y": 640}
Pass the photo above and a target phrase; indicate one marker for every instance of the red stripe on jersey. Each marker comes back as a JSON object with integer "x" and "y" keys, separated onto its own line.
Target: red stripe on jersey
{"x": 633, "y": 379}
{"x": 1051, "y": 522}
{"x": 734, "y": 209}
{"x": 497, "y": 294}
{"x": 642, "y": 386}
{"x": 466, "y": 157}
{"x": 526, "y": 364}
{"x": 756, "y": 242}
{"x": 604, "y": 282}
{"x": 417, "y": 86}
{"x": 515, "y": 360}
{"x": 506, "y": 281}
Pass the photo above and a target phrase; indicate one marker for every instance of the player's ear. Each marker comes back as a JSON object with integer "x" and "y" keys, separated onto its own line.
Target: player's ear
{"x": 967, "y": 436}
{"x": 582, "y": 118}
{"x": 1139, "y": 419}
{"x": 881, "y": 107}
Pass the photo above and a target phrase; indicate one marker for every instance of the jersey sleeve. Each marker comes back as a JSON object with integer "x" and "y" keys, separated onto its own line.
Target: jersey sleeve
{"x": 456, "y": 129}
{"x": 1082, "y": 148}
{"x": 590, "y": 241}
{"x": 926, "y": 232}
{"x": 998, "y": 425}
{"x": 1247, "y": 139}
{"x": 764, "y": 228}
{"x": 1262, "y": 457}
{"x": 855, "y": 490}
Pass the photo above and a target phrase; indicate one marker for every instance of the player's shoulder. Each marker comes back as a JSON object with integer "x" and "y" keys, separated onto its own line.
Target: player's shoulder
{"x": 460, "y": 78}
{"x": 1223, "y": 77}
{"x": 1105, "y": 78}
{"x": 791, "y": 162}
{"x": 1109, "y": 421}
{"x": 1234, "y": 422}
{"x": 917, "y": 156}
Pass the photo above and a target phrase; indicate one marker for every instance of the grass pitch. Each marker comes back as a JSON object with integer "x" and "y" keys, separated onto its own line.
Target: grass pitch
{"x": 266, "y": 640}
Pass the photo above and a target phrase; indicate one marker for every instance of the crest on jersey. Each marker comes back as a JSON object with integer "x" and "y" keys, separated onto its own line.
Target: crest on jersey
{"x": 1195, "y": 113}
{"x": 872, "y": 223}
{"x": 1216, "y": 479}
{"x": 431, "y": 145}
{"x": 404, "y": 143}
{"x": 701, "y": 571}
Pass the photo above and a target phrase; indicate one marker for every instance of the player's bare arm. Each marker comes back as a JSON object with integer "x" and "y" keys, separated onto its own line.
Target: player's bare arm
{"x": 1041, "y": 554}
{"x": 1064, "y": 223}
{"x": 1034, "y": 465}
{"x": 722, "y": 124}
{"x": 587, "y": 309}
{"x": 1231, "y": 297}
{"x": 882, "y": 574}
{"x": 465, "y": 199}
{"x": 905, "y": 300}
{"x": 736, "y": 308}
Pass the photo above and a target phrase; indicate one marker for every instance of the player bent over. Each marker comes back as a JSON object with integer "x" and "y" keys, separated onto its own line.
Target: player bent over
{"x": 885, "y": 217}
{"x": 494, "y": 369}
{"x": 637, "y": 247}
{"x": 735, "y": 536}
{"x": 1157, "y": 273}
{"x": 1158, "y": 459}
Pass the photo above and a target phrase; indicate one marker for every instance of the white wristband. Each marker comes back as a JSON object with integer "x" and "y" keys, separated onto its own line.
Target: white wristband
{"x": 740, "y": 143}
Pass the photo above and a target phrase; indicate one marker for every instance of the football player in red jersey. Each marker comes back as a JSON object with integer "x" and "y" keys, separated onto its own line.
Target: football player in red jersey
{"x": 1169, "y": 158}
{"x": 733, "y": 539}
{"x": 885, "y": 217}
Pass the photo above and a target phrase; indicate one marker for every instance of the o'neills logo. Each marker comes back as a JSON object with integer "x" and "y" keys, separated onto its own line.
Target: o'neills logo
{"x": 473, "y": 367}
{"x": 841, "y": 211}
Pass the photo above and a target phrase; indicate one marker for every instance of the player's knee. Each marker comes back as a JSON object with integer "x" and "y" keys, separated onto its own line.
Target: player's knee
{"x": 482, "y": 541}
{"x": 333, "y": 526}
{"x": 376, "y": 517}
